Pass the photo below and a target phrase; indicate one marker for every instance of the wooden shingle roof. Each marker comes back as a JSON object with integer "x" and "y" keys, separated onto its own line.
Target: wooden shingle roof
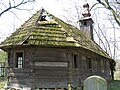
{"x": 52, "y": 32}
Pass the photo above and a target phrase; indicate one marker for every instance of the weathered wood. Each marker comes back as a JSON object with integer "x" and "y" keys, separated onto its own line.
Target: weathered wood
{"x": 95, "y": 83}
{"x": 15, "y": 70}
{"x": 53, "y": 67}
{"x": 19, "y": 74}
{"x": 51, "y": 73}
{"x": 52, "y": 64}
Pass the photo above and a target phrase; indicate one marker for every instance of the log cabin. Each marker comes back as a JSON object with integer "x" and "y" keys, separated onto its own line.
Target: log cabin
{"x": 47, "y": 53}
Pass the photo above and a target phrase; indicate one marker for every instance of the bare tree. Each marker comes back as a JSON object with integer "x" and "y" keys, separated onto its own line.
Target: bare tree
{"x": 73, "y": 18}
{"x": 113, "y": 17}
{"x": 12, "y": 4}
{"x": 114, "y": 7}
{"x": 108, "y": 42}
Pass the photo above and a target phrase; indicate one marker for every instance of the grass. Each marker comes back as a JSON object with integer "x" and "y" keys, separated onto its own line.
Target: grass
{"x": 3, "y": 81}
{"x": 114, "y": 85}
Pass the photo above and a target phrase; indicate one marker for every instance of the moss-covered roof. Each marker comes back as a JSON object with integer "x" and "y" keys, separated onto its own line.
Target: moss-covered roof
{"x": 52, "y": 32}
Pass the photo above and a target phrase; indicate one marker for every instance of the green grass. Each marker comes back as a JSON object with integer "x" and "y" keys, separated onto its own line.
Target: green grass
{"x": 2, "y": 84}
{"x": 3, "y": 81}
{"x": 3, "y": 56}
{"x": 114, "y": 85}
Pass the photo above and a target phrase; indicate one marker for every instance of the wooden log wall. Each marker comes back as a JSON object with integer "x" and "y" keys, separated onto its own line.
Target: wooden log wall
{"x": 54, "y": 67}
{"x": 50, "y": 68}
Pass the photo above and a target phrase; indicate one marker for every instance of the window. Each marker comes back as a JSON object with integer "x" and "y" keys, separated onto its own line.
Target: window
{"x": 2, "y": 69}
{"x": 43, "y": 18}
{"x": 85, "y": 23}
{"x": 19, "y": 60}
{"x": 89, "y": 63}
{"x": 9, "y": 58}
{"x": 75, "y": 61}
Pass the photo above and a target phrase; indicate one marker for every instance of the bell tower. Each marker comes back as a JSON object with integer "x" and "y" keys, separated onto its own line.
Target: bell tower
{"x": 86, "y": 22}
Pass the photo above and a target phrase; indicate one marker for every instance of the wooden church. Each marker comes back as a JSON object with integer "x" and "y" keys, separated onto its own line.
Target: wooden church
{"x": 47, "y": 53}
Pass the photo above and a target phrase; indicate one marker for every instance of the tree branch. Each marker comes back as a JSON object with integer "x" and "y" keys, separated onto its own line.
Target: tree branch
{"x": 93, "y": 6}
{"x": 117, "y": 2}
{"x": 15, "y": 6}
{"x": 107, "y": 6}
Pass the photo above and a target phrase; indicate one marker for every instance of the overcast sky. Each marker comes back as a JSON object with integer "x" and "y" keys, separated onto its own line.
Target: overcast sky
{"x": 9, "y": 22}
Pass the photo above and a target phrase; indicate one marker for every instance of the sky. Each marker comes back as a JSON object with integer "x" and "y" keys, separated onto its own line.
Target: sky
{"x": 9, "y": 21}
{"x": 63, "y": 9}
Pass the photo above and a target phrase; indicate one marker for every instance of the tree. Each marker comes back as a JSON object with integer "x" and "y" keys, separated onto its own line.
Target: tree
{"x": 113, "y": 17}
{"x": 3, "y": 56}
{"x": 12, "y": 4}
{"x": 114, "y": 7}
{"x": 103, "y": 24}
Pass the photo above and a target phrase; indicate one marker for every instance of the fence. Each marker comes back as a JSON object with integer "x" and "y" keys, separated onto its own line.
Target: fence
{"x": 2, "y": 69}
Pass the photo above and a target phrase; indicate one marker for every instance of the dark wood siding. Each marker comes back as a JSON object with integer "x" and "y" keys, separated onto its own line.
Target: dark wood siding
{"x": 55, "y": 67}
{"x": 50, "y": 68}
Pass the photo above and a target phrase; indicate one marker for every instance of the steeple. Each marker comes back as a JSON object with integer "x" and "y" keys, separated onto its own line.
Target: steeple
{"x": 86, "y": 22}
{"x": 86, "y": 12}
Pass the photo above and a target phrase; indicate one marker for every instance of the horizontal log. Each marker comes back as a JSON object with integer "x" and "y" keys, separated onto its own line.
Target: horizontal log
{"x": 50, "y": 80}
{"x": 50, "y": 72}
{"x": 50, "y": 58}
{"x": 52, "y": 64}
{"x": 44, "y": 68}
{"x": 16, "y": 70}
{"x": 50, "y": 76}
{"x": 18, "y": 74}
{"x": 51, "y": 84}
{"x": 19, "y": 81}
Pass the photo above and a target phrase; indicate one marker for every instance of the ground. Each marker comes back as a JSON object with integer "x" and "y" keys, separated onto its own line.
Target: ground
{"x": 113, "y": 85}
{"x": 3, "y": 81}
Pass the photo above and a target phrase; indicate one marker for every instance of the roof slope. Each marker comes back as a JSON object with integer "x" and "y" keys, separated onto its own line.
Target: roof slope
{"x": 51, "y": 32}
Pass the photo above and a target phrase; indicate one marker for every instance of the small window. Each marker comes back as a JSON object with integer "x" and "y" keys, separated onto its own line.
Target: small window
{"x": 75, "y": 60}
{"x": 85, "y": 23}
{"x": 9, "y": 58}
{"x": 89, "y": 63}
{"x": 43, "y": 15}
{"x": 19, "y": 60}
{"x": 43, "y": 18}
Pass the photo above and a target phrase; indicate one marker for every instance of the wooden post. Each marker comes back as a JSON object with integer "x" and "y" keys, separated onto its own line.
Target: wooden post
{"x": 95, "y": 83}
{"x": 32, "y": 66}
{"x": 69, "y": 71}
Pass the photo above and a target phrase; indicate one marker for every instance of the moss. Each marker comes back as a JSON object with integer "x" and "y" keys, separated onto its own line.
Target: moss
{"x": 54, "y": 33}
{"x": 49, "y": 28}
{"x": 48, "y": 23}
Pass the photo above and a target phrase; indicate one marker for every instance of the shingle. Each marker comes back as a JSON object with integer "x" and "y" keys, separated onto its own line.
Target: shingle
{"x": 51, "y": 33}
